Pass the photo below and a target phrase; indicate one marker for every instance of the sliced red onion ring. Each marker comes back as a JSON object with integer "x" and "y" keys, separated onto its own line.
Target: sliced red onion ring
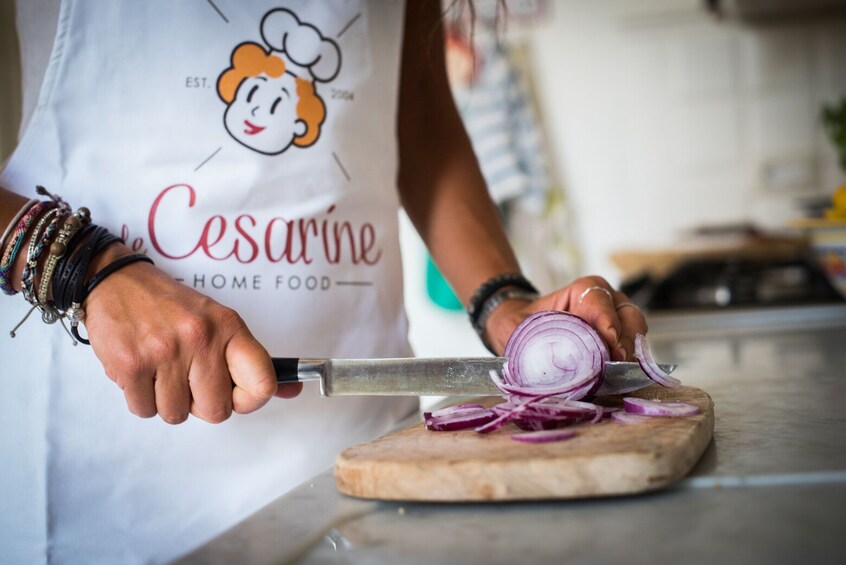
{"x": 649, "y": 366}
{"x": 544, "y": 436}
{"x": 458, "y": 408}
{"x": 555, "y": 359}
{"x": 553, "y": 352}
{"x": 644, "y": 407}
{"x": 626, "y": 418}
{"x": 459, "y": 421}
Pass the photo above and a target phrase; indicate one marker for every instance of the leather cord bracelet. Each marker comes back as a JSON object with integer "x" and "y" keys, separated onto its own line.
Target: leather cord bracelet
{"x": 478, "y": 310}
{"x": 495, "y": 301}
{"x": 490, "y": 287}
{"x": 70, "y": 282}
{"x": 101, "y": 275}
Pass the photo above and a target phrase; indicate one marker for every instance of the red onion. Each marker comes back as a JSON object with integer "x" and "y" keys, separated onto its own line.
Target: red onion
{"x": 553, "y": 353}
{"x": 644, "y": 407}
{"x": 626, "y": 418}
{"x": 459, "y": 421}
{"x": 544, "y": 436}
{"x": 649, "y": 366}
{"x": 555, "y": 359}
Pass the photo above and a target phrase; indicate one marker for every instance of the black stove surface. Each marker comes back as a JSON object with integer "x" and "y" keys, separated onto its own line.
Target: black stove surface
{"x": 735, "y": 282}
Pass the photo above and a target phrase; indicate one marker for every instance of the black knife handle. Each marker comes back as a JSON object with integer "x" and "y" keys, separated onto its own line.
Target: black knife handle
{"x": 286, "y": 369}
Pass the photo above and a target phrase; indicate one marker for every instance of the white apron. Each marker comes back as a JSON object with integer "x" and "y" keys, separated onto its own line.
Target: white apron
{"x": 249, "y": 148}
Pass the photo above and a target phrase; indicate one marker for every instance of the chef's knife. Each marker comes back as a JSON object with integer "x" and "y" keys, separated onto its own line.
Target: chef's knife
{"x": 462, "y": 376}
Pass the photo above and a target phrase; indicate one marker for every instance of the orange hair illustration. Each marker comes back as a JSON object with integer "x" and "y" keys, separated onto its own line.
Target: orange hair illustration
{"x": 251, "y": 60}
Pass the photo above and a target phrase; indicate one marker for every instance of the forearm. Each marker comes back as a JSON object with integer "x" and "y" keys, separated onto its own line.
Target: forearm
{"x": 441, "y": 186}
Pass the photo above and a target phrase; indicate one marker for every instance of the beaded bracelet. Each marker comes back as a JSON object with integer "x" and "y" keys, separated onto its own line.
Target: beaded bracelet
{"x": 58, "y": 249}
{"x": 7, "y": 264}
{"x": 44, "y": 230}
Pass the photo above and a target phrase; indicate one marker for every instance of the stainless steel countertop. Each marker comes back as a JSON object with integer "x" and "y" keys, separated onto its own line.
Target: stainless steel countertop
{"x": 770, "y": 488}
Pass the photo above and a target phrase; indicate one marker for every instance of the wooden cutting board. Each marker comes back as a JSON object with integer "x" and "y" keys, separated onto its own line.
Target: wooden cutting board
{"x": 607, "y": 458}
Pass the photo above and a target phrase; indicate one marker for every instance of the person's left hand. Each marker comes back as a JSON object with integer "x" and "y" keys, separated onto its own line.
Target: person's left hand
{"x": 611, "y": 313}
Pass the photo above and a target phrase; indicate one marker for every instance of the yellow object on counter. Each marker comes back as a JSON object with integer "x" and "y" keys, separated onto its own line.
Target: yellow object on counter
{"x": 838, "y": 210}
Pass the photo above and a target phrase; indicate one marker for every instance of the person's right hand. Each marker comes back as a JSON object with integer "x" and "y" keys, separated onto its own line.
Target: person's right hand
{"x": 174, "y": 351}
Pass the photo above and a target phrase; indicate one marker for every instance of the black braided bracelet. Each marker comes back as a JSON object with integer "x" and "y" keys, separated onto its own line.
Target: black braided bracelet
{"x": 490, "y": 287}
{"x": 115, "y": 265}
{"x": 101, "y": 275}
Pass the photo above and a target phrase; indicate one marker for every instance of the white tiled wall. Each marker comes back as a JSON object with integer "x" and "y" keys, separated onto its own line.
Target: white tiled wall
{"x": 662, "y": 119}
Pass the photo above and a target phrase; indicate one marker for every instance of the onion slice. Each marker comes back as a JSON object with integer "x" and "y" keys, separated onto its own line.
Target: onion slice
{"x": 553, "y": 353}
{"x": 647, "y": 363}
{"x": 554, "y": 359}
{"x": 626, "y": 418}
{"x": 643, "y": 407}
{"x": 544, "y": 436}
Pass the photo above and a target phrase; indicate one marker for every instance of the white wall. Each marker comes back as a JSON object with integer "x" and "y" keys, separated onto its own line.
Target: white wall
{"x": 661, "y": 119}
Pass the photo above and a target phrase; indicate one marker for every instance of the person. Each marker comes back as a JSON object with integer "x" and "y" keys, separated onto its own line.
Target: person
{"x": 258, "y": 153}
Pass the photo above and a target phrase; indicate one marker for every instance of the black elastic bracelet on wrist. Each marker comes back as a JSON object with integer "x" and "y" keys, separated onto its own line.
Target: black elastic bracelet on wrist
{"x": 490, "y": 287}
{"x": 100, "y": 276}
{"x": 112, "y": 267}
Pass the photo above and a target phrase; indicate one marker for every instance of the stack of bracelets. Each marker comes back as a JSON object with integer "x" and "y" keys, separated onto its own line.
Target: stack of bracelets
{"x": 492, "y": 293}
{"x": 60, "y": 248}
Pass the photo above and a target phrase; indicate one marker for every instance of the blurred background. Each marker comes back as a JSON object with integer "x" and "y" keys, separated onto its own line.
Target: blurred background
{"x": 680, "y": 148}
{"x": 692, "y": 151}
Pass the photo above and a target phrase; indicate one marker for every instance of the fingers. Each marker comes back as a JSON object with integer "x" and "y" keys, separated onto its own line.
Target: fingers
{"x": 595, "y": 303}
{"x": 611, "y": 313}
{"x": 211, "y": 389}
{"x": 252, "y": 373}
{"x": 632, "y": 322}
{"x": 140, "y": 395}
{"x": 173, "y": 395}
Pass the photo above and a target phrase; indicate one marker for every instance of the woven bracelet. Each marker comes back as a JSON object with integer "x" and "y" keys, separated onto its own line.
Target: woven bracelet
{"x": 13, "y": 224}
{"x": 7, "y": 264}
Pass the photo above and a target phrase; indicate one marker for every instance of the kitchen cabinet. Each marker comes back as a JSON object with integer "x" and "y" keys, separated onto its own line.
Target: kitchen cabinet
{"x": 770, "y": 488}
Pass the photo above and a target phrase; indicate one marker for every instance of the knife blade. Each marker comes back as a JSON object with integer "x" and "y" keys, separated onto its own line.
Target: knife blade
{"x": 455, "y": 376}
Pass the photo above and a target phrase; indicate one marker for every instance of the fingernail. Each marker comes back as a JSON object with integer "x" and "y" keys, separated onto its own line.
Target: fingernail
{"x": 622, "y": 353}
{"x": 613, "y": 331}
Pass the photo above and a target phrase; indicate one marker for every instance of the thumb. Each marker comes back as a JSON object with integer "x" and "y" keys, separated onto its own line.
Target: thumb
{"x": 252, "y": 372}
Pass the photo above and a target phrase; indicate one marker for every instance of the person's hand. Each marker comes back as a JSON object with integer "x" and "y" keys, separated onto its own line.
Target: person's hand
{"x": 174, "y": 351}
{"x": 611, "y": 313}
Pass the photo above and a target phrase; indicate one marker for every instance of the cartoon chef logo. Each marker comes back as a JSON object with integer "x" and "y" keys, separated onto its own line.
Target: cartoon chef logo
{"x": 271, "y": 90}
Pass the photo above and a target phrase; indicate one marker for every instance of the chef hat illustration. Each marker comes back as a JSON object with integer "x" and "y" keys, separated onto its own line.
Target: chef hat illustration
{"x": 311, "y": 56}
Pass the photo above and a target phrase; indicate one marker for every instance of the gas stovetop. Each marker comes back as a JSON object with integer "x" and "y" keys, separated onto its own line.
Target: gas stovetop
{"x": 713, "y": 284}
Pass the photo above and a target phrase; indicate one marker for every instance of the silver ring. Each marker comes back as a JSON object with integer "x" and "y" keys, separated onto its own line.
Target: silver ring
{"x": 586, "y": 291}
{"x": 624, "y": 304}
